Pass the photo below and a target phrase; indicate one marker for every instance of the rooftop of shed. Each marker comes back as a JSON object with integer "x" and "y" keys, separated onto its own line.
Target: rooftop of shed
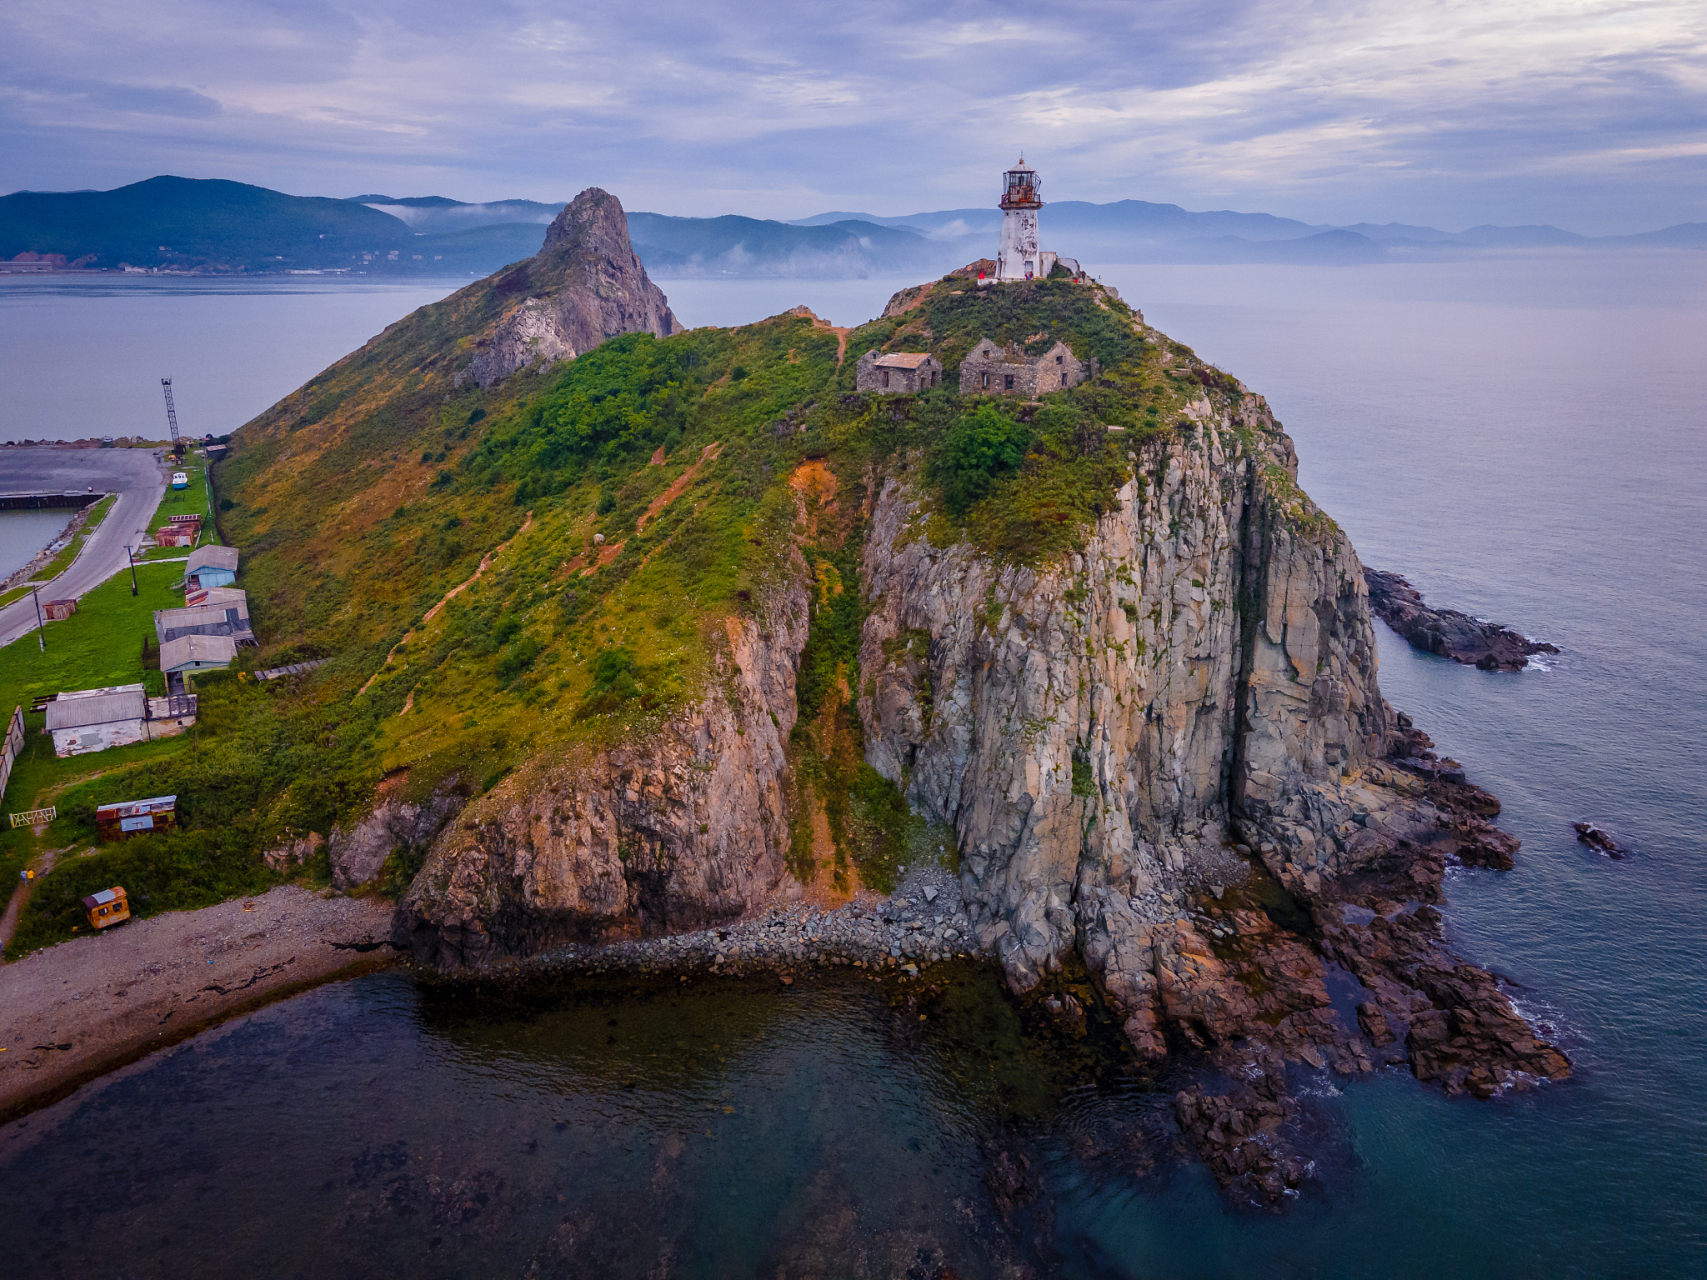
{"x": 101, "y": 708}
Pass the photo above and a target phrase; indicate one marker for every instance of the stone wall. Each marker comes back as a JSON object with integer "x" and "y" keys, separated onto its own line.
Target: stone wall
{"x": 989, "y": 369}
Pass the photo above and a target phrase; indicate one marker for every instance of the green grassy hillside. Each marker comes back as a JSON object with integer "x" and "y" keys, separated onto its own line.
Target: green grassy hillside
{"x": 551, "y": 564}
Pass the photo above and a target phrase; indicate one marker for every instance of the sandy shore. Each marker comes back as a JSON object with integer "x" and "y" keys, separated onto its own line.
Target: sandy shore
{"x": 72, "y": 1012}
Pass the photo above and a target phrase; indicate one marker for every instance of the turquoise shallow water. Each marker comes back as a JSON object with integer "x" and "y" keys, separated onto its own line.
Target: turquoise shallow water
{"x": 1525, "y": 441}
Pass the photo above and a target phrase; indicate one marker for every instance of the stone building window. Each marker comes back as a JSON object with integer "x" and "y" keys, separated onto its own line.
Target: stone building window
{"x": 1008, "y": 382}
{"x": 986, "y": 377}
{"x": 886, "y": 377}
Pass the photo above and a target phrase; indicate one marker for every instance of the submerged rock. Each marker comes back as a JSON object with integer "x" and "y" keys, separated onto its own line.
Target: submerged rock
{"x": 1597, "y": 838}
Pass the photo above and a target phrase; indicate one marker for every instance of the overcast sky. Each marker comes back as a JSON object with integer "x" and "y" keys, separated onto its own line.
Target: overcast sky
{"x": 1591, "y": 114}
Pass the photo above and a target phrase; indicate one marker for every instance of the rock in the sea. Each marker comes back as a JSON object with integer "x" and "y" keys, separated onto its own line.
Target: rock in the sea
{"x": 1447, "y": 632}
{"x": 1598, "y": 838}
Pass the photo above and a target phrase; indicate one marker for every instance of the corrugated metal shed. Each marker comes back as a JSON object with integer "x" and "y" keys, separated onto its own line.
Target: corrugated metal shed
{"x": 205, "y": 620}
{"x": 187, "y": 653}
{"x": 220, "y": 598}
{"x": 212, "y": 558}
{"x": 101, "y": 708}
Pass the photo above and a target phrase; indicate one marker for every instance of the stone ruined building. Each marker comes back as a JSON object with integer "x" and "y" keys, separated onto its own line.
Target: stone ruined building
{"x": 898, "y": 371}
{"x": 991, "y": 370}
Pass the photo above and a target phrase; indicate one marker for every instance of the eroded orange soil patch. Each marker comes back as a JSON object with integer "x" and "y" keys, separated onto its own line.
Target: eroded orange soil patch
{"x": 606, "y": 554}
{"x": 814, "y": 485}
{"x": 678, "y": 486}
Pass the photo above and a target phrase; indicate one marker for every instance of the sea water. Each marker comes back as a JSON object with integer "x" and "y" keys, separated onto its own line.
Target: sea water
{"x": 1525, "y": 441}
{"x": 26, "y": 534}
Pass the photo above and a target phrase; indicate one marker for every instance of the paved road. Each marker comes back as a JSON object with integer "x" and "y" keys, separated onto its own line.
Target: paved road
{"x": 134, "y": 474}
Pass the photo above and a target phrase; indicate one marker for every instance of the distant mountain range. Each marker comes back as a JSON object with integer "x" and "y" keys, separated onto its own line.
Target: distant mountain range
{"x": 213, "y": 226}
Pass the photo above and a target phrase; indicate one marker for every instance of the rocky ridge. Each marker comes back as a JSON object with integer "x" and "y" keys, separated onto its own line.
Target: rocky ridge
{"x": 585, "y": 284}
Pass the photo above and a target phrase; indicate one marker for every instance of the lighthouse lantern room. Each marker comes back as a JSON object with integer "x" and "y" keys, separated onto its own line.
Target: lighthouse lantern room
{"x": 1020, "y": 258}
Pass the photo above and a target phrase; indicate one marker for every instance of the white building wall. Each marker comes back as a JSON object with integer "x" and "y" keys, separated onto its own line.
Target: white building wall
{"x": 97, "y": 737}
{"x": 1019, "y": 246}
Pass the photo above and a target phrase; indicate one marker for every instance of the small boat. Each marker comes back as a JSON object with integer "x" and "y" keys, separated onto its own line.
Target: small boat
{"x": 180, "y": 480}
{"x": 108, "y": 907}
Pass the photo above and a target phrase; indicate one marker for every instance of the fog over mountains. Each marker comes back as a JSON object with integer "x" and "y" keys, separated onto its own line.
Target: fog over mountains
{"x": 213, "y": 226}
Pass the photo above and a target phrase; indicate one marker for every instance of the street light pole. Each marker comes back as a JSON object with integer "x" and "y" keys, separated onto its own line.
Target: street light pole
{"x": 41, "y": 626}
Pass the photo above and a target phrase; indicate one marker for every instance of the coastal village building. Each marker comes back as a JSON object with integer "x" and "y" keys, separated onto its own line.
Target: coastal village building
{"x": 206, "y": 617}
{"x": 179, "y": 531}
{"x": 95, "y": 719}
{"x": 211, "y": 567}
{"x": 1007, "y": 371}
{"x": 86, "y": 720}
{"x": 898, "y": 371}
{"x": 193, "y": 653}
{"x": 129, "y": 818}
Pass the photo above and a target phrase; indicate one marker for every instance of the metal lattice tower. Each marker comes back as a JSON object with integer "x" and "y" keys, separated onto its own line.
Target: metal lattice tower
{"x": 171, "y": 413}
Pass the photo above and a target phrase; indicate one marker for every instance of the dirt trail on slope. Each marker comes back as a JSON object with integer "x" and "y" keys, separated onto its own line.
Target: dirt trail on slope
{"x": 678, "y": 486}
{"x": 485, "y": 564}
{"x": 818, "y": 322}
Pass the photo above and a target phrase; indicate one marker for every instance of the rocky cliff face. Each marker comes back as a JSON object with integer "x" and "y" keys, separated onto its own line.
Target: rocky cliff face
{"x": 1156, "y": 751}
{"x": 1166, "y": 759}
{"x": 1082, "y": 725}
{"x": 675, "y": 830}
{"x": 585, "y": 285}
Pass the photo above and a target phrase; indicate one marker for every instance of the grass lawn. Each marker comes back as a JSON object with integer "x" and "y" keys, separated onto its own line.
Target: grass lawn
{"x": 184, "y": 502}
{"x": 99, "y": 645}
{"x": 40, "y": 778}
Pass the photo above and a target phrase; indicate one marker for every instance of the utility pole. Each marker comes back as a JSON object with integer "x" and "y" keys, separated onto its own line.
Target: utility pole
{"x": 132, "y": 559}
{"x": 41, "y": 625}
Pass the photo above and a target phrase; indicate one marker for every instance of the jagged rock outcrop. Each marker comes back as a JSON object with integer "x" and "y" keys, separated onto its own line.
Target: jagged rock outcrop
{"x": 585, "y": 284}
{"x": 673, "y": 830}
{"x": 1079, "y": 724}
{"x": 1448, "y": 633}
{"x": 357, "y": 853}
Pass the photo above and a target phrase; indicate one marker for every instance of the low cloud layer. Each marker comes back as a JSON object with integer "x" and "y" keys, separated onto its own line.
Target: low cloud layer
{"x": 1588, "y": 113}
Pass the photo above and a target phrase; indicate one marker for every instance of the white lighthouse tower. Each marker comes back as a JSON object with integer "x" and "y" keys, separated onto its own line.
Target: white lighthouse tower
{"x": 1020, "y": 257}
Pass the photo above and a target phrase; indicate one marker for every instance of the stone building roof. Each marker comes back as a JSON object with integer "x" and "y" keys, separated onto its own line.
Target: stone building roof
{"x": 902, "y": 359}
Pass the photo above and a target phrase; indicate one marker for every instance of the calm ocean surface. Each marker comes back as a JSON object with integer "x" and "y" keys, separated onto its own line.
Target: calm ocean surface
{"x": 1526, "y": 441}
